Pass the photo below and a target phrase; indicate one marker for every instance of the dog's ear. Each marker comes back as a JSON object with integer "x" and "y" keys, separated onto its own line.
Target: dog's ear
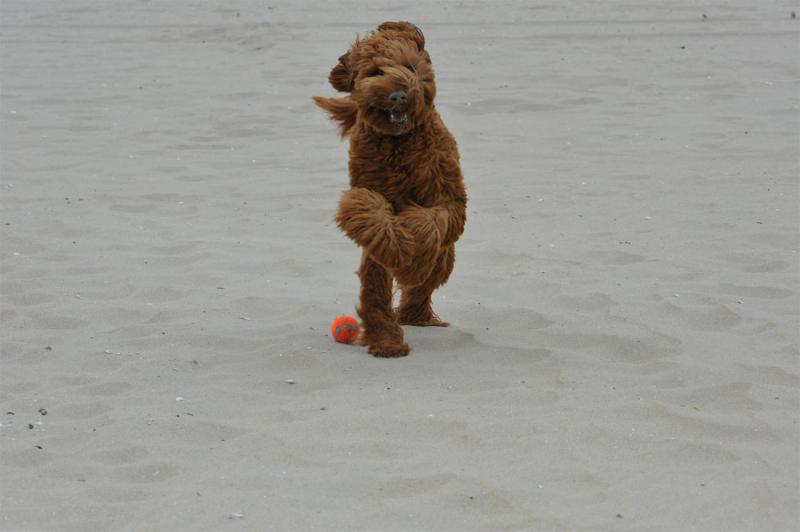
{"x": 343, "y": 77}
{"x": 409, "y": 30}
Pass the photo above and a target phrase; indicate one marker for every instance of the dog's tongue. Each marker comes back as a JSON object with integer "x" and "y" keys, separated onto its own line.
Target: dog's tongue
{"x": 398, "y": 115}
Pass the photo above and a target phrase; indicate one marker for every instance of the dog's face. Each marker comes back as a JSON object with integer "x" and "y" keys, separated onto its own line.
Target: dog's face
{"x": 390, "y": 78}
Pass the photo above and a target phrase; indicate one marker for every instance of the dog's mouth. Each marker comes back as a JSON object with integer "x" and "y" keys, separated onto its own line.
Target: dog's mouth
{"x": 389, "y": 120}
{"x": 398, "y": 116}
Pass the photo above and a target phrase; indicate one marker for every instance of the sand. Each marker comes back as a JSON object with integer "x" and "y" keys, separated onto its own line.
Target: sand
{"x": 624, "y": 347}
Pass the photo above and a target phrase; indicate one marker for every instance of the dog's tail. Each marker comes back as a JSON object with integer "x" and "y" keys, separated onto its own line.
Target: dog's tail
{"x": 343, "y": 110}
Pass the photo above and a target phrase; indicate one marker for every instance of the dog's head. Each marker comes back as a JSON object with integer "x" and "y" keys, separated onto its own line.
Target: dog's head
{"x": 389, "y": 76}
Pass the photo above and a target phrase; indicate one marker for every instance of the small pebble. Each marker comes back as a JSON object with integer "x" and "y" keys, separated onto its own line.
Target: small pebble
{"x": 290, "y": 381}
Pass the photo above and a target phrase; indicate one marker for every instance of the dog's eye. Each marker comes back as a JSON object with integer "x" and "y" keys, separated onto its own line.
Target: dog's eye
{"x": 410, "y": 68}
{"x": 378, "y": 72}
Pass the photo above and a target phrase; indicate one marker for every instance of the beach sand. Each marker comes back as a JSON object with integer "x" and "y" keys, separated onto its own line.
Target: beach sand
{"x": 624, "y": 347}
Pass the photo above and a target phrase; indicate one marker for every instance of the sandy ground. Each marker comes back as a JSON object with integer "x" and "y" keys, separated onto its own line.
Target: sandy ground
{"x": 624, "y": 347}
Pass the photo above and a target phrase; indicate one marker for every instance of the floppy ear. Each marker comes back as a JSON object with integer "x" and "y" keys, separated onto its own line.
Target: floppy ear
{"x": 410, "y": 31}
{"x": 343, "y": 77}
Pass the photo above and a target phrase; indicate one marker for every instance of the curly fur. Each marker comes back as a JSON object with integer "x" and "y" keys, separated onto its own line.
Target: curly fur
{"x": 406, "y": 207}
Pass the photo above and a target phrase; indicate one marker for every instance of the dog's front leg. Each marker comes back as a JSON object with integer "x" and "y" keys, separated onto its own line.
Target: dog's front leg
{"x": 451, "y": 217}
{"x": 427, "y": 228}
{"x": 369, "y": 220}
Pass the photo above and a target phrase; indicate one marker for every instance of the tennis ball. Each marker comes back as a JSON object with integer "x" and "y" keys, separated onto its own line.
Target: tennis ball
{"x": 345, "y": 329}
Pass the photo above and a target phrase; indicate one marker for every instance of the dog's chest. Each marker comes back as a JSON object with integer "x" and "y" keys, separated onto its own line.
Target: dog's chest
{"x": 400, "y": 169}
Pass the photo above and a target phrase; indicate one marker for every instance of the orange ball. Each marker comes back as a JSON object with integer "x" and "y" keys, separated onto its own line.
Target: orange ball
{"x": 345, "y": 329}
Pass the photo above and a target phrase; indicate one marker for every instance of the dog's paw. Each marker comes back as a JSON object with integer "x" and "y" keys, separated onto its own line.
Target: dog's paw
{"x": 363, "y": 215}
{"x": 417, "y": 313}
{"x": 422, "y": 224}
{"x": 389, "y": 350}
{"x": 391, "y": 248}
{"x": 433, "y": 322}
{"x": 427, "y": 228}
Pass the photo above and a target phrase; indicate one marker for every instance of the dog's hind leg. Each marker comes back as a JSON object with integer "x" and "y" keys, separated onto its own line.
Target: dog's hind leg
{"x": 415, "y": 302}
{"x": 381, "y": 332}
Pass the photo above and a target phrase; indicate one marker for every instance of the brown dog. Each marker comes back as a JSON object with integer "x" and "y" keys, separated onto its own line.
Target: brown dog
{"x": 407, "y": 204}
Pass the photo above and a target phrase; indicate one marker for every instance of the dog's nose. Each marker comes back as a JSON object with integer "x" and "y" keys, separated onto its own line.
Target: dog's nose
{"x": 398, "y": 97}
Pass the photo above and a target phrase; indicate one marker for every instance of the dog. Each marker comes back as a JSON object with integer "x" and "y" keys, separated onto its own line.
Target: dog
{"x": 406, "y": 206}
